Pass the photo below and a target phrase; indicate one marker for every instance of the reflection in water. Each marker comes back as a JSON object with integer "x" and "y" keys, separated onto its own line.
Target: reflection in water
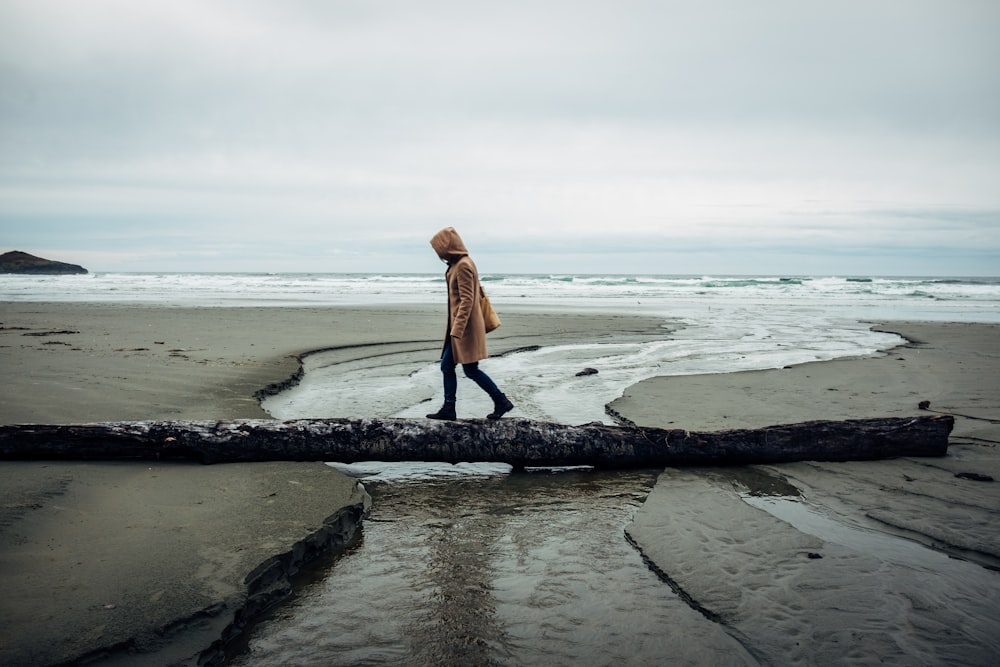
{"x": 511, "y": 569}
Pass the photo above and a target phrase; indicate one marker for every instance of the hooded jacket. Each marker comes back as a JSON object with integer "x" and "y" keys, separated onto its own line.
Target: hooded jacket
{"x": 465, "y": 317}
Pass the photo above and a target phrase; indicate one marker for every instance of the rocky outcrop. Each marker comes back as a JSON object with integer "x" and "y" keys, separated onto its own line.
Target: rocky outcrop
{"x": 21, "y": 262}
{"x": 519, "y": 442}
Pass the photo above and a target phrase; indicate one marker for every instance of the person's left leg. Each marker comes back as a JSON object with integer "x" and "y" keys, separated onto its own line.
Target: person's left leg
{"x": 501, "y": 404}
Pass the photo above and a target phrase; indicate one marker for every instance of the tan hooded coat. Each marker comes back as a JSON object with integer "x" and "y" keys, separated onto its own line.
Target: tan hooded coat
{"x": 465, "y": 317}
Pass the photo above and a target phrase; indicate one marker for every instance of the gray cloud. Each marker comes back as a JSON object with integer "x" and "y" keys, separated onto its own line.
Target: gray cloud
{"x": 357, "y": 129}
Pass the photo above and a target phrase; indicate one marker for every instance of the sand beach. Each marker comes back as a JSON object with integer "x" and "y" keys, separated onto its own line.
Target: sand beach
{"x": 132, "y": 556}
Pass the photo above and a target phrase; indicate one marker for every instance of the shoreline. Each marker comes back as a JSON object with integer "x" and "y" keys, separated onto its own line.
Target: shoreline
{"x": 146, "y": 362}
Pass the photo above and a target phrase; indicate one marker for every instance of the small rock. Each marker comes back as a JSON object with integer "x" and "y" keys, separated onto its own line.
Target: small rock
{"x": 974, "y": 476}
{"x": 813, "y": 556}
{"x": 924, "y": 405}
{"x": 587, "y": 371}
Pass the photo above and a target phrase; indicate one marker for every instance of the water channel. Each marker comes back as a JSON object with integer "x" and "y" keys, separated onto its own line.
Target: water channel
{"x": 489, "y": 568}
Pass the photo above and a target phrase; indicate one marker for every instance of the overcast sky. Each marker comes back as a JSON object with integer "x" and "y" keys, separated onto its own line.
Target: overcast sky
{"x": 770, "y": 137}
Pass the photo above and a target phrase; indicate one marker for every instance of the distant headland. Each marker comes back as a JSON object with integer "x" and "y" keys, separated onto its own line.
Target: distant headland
{"x": 21, "y": 262}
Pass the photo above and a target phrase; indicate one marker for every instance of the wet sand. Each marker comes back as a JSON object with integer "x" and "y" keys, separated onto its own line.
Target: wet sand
{"x": 83, "y": 542}
{"x": 894, "y": 562}
{"x": 151, "y": 563}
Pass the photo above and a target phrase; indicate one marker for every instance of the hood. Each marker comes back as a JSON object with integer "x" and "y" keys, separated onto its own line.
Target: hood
{"x": 448, "y": 245}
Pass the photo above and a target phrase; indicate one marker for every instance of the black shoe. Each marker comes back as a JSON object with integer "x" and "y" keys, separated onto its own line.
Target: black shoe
{"x": 501, "y": 406}
{"x": 447, "y": 412}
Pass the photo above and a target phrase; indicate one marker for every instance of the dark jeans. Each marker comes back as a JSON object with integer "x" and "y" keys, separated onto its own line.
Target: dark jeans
{"x": 472, "y": 372}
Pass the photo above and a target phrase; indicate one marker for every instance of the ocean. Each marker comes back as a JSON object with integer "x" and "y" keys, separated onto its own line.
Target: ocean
{"x": 859, "y": 297}
{"x": 712, "y": 324}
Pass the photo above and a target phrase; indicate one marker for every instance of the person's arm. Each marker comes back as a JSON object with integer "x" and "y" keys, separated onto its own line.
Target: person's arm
{"x": 467, "y": 285}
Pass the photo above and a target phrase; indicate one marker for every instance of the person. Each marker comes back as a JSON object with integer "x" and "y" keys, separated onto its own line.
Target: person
{"x": 465, "y": 336}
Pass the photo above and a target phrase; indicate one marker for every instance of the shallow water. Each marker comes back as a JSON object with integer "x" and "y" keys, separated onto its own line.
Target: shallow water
{"x": 486, "y": 567}
{"x": 383, "y": 381}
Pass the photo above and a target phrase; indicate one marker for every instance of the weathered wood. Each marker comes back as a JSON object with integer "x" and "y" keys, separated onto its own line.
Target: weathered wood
{"x": 516, "y": 441}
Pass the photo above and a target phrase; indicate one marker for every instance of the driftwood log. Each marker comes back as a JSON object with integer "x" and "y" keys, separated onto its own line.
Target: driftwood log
{"x": 518, "y": 442}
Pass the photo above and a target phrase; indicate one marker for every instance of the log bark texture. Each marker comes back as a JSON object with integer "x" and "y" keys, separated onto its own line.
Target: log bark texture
{"x": 518, "y": 442}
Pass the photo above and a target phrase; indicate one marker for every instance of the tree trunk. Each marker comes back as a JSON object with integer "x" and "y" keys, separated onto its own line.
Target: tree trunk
{"x": 518, "y": 442}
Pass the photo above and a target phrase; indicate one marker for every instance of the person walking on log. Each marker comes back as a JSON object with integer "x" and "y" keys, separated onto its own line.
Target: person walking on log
{"x": 465, "y": 336}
